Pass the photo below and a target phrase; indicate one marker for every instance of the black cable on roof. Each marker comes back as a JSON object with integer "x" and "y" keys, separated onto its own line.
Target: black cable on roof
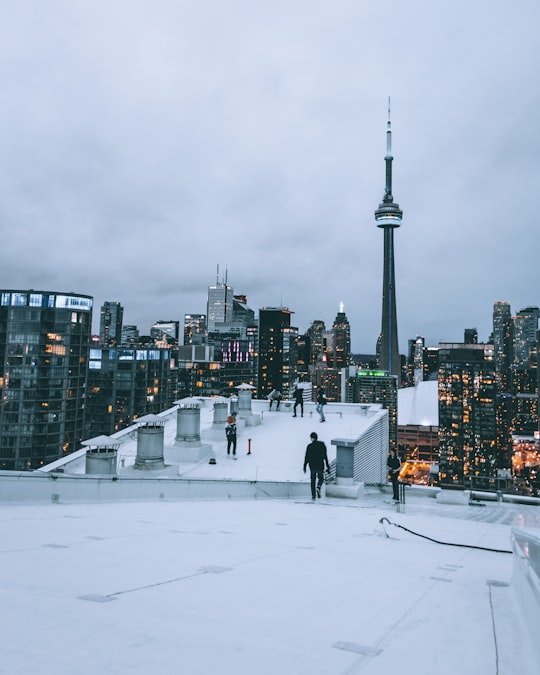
{"x": 445, "y": 543}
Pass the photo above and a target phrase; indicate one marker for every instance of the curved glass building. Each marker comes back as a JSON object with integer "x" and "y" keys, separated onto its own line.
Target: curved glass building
{"x": 44, "y": 344}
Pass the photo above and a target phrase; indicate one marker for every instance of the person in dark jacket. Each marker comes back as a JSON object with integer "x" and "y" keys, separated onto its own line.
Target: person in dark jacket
{"x": 394, "y": 465}
{"x": 317, "y": 458}
{"x": 321, "y": 402}
{"x": 230, "y": 433}
{"x": 298, "y": 396}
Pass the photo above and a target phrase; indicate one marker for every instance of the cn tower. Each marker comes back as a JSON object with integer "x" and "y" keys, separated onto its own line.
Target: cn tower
{"x": 388, "y": 218}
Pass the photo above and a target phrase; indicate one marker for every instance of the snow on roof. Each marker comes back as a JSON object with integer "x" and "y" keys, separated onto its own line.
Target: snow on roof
{"x": 419, "y": 405}
{"x": 261, "y": 586}
{"x": 276, "y": 445}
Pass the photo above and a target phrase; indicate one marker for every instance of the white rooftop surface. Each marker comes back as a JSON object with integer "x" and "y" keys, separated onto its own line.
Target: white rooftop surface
{"x": 278, "y": 443}
{"x": 262, "y": 586}
{"x": 419, "y": 405}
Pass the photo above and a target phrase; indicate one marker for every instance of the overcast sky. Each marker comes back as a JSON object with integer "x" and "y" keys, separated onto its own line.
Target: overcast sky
{"x": 144, "y": 143}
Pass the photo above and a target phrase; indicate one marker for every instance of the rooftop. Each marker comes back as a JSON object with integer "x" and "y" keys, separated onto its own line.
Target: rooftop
{"x": 261, "y": 586}
{"x": 265, "y": 585}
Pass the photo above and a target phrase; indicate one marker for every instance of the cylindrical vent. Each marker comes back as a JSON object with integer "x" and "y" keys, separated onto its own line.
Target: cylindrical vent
{"x": 188, "y": 423}
{"x": 101, "y": 461}
{"x": 150, "y": 447}
{"x": 220, "y": 413}
{"x": 244, "y": 401}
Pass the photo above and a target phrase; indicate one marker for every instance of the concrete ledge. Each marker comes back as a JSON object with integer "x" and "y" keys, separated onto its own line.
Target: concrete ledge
{"x": 459, "y": 497}
{"x": 181, "y": 454}
{"x": 345, "y": 491}
{"x": 526, "y": 581}
{"x": 36, "y": 487}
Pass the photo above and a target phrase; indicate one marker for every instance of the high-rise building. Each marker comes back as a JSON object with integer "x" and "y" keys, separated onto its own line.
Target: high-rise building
{"x": 110, "y": 324}
{"x": 502, "y": 343}
{"x": 342, "y": 340}
{"x": 316, "y": 334}
{"x": 467, "y": 413}
{"x": 44, "y": 343}
{"x": 194, "y": 329}
{"x": 388, "y": 218}
{"x": 220, "y": 304}
{"x": 277, "y": 351}
{"x": 125, "y": 383}
{"x": 235, "y": 344}
{"x": 525, "y": 328}
{"x": 470, "y": 336}
{"x": 130, "y": 335}
{"x": 166, "y": 330}
{"x": 376, "y": 386}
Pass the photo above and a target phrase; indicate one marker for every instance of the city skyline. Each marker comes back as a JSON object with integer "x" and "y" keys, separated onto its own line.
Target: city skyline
{"x": 142, "y": 146}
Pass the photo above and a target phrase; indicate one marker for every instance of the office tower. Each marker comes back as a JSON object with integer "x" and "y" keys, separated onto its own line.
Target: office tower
{"x": 194, "y": 329}
{"x": 525, "y": 328}
{"x": 110, "y": 323}
{"x": 376, "y": 386}
{"x": 130, "y": 335}
{"x": 277, "y": 351}
{"x": 303, "y": 350}
{"x": 166, "y": 330}
{"x": 422, "y": 361}
{"x": 418, "y": 360}
{"x": 414, "y": 370}
{"x": 470, "y": 336}
{"x": 125, "y": 383}
{"x": 502, "y": 343}
{"x": 44, "y": 343}
{"x": 388, "y": 218}
{"x": 317, "y": 343}
{"x": 467, "y": 413}
{"x": 342, "y": 339}
{"x": 235, "y": 344}
{"x": 220, "y": 304}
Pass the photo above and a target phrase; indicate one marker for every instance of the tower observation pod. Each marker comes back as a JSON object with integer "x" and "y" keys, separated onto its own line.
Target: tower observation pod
{"x": 388, "y": 218}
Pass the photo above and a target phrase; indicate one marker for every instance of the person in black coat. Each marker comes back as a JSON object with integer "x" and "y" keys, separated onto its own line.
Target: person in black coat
{"x": 298, "y": 396}
{"x": 230, "y": 433}
{"x": 394, "y": 466}
{"x": 317, "y": 458}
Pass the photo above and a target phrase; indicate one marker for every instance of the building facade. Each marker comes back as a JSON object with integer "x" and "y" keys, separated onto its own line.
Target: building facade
{"x": 277, "y": 355}
{"x": 341, "y": 353}
{"x": 194, "y": 329}
{"x": 110, "y": 323}
{"x": 376, "y": 386}
{"x": 44, "y": 346}
{"x": 125, "y": 383}
{"x": 219, "y": 305}
{"x": 467, "y": 392}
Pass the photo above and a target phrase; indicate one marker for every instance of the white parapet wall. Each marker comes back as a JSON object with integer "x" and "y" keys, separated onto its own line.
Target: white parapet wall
{"x": 526, "y": 580}
{"x": 34, "y": 487}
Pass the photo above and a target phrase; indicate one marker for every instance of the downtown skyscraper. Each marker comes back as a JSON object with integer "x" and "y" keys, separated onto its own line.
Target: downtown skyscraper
{"x": 44, "y": 345}
{"x": 388, "y": 218}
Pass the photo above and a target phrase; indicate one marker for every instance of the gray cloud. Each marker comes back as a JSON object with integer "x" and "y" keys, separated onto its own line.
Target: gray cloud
{"x": 144, "y": 143}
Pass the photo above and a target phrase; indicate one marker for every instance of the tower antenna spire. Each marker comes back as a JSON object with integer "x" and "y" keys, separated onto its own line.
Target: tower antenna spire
{"x": 388, "y": 159}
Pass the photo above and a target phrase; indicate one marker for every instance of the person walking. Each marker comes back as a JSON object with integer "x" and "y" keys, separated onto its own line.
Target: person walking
{"x": 230, "y": 433}
{"x": 316, "y": 458}
{"x": 321, "y": 402}
{"x": 298, "y": 396}
{"x": 394, "y": 466}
